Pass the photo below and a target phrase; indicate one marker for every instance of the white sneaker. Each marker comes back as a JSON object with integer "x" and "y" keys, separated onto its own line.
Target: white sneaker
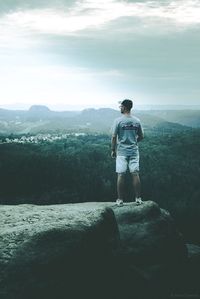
{"x": 119, "y": 202}
{"x": 138, "y": 201}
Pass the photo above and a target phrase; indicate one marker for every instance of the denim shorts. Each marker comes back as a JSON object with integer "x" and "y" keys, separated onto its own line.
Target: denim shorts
{"x": 130, "y": 163}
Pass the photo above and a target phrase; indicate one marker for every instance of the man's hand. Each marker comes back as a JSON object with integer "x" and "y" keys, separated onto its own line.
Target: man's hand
{"x": 113, "y": 146}
{"x": 113, "y": 154}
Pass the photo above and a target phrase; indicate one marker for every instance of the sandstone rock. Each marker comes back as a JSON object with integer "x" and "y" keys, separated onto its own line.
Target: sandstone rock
{"x": 193, "y": 271}
{"x": 150, "y": 241}
{"x": 48, "y": 251}
{"x": 87, "y": 250}
{"x": 149, "y": 235}
{"x": 193, "y": 251}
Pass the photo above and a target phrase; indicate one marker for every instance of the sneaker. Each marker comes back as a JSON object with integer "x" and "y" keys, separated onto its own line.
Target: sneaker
{"x": 119, "y": 202}
{"x": 138, "y": 201}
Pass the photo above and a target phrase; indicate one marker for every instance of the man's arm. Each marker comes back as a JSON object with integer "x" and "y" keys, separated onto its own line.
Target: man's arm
{"x": 113, "y": 146}
{"x": 140, "y": 134}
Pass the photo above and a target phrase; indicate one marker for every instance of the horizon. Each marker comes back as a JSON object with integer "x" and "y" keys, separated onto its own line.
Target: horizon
{"x": 62, "y": 108}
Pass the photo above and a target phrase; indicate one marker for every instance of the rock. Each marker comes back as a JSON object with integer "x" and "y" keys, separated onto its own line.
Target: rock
{"x": 149, "y": 235}
{"x": 193, "y": 270}
{"x": 55, "y": 251}
{"x": 193, "y": 251}
{"x": 150, "y": 241}
{"x": 86, "y": 250}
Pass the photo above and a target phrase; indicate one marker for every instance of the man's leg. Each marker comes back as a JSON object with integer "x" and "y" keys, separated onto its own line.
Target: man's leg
{"x": 120, "y": 185}
{"x": 134, "y": 169}
{"x": 121, "y": 167}
{"x": 136, "y": 184}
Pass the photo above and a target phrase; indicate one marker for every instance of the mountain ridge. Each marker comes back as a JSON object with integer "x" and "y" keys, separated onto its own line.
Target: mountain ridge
{"x": 39, "y": 118}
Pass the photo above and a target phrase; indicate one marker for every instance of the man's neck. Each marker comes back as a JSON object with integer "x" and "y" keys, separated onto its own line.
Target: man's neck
{"x": 127, "y": 113}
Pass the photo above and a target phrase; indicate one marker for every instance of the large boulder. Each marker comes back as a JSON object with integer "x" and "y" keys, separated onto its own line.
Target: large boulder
{"x": 86, "y": 250}
{"x": 55, "y": 251}
{"x": 151, "y": 243}
{"x": 149, "y": 235}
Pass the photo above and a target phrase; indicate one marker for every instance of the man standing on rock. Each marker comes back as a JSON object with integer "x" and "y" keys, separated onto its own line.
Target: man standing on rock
{"x": 126, "y": 133}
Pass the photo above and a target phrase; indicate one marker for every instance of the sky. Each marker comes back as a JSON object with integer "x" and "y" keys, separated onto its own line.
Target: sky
{"x": 71, "y": 55}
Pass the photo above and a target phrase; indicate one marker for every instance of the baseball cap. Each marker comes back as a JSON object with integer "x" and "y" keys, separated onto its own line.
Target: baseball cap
{"x": 127, "y": 103}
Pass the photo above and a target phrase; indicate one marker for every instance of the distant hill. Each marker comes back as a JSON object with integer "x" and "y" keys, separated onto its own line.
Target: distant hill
{"x": 39, "y": 109}
{"x": 167, "y": 107}
{"x": 40, "y": 119}
{"x": 189, "y": 118}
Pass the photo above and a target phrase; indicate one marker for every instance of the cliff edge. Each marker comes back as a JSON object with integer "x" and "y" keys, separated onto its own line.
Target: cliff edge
{"x": 88, "y": 250}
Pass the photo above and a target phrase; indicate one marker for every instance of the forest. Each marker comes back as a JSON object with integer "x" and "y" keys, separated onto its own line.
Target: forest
{"x": 79, "y": 168}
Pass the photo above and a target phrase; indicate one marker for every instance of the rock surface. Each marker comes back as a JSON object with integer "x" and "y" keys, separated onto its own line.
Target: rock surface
{"x": 86, "y": 250}
{"x": 45, "y": 250}
{"x": 149, "y": 235}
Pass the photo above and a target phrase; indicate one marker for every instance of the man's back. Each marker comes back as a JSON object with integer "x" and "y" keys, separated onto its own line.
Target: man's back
{"x": 127, "y": 128}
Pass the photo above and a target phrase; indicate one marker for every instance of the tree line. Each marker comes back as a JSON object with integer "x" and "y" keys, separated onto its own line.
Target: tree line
{"x": 79, "y": 169}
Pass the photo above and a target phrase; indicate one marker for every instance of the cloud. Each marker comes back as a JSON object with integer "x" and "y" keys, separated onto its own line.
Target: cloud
{"x": 96, "y": 14}
{"x": 26, "y": 26}
{"x": 17, "y": 5}
{"x": 98, "y": 49}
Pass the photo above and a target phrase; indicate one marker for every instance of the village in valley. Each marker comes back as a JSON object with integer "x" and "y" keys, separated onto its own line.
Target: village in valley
{"x": 38, "y": 138}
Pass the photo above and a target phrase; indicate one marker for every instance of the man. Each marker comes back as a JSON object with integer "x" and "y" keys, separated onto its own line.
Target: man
{"x": 126, "y": 133}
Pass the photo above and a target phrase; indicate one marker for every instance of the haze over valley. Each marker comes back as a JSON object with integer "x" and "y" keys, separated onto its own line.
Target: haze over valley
{"x": 40, "y": 119}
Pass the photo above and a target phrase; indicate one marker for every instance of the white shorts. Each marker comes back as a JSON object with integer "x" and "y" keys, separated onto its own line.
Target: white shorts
{"x": 124, "y": 163}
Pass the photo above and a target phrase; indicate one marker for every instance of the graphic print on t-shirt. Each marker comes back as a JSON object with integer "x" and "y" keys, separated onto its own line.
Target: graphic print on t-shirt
{"x": 130, "y": 126}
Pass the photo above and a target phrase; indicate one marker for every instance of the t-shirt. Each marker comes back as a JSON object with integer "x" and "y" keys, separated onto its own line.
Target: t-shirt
{"x": 127, "y": 128}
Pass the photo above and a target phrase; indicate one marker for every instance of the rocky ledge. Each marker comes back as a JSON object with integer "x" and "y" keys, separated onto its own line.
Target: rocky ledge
{"x": 90, "y": 250}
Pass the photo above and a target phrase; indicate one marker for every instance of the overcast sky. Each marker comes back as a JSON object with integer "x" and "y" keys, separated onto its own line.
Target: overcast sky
{"x": 76, "y": 54}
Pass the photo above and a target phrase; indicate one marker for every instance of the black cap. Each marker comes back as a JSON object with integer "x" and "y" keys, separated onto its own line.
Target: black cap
{"x": 127, "y": 103}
